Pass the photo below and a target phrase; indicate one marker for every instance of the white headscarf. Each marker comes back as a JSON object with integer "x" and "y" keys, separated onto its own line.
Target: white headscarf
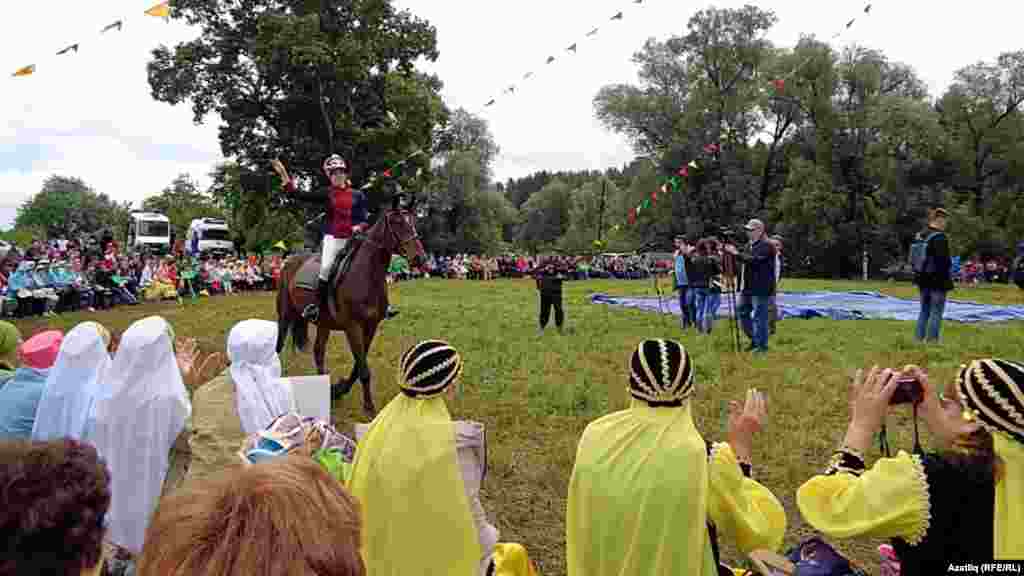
{"x": 256, "y": 373}
{"x": 138, "y": 419}
{"x": 73, "y": 383}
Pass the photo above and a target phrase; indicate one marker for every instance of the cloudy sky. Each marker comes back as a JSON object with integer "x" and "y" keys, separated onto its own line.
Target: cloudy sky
{"x": 90, "y": 114}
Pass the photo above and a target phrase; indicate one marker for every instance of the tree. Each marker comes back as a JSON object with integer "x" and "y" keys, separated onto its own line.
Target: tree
{"x": 183, "y": 202}
{"x": 546, "y": 216}
{"x": 300, "y": 79}
{"x": 466, "y": 132}
{"x": 67, "y": 208}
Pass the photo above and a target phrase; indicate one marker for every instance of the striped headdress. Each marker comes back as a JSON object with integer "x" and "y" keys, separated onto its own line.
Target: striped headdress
{"x": 428, "y": 368}
{"x": 660, "y": 373}
{"x": 991, "y": 391}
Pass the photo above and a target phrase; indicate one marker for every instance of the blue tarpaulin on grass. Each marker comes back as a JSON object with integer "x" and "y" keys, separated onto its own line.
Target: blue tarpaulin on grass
{"x": 835, "y": 305}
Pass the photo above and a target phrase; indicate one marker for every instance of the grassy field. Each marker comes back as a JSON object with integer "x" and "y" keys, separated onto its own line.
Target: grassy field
{"x": 536, "y": 394}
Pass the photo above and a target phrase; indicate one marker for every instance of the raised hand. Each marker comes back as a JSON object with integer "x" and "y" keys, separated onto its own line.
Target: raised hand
{"x": 195, "y": 369}
{"x": 745, "y": 421}
{"x": 280, "y": 169}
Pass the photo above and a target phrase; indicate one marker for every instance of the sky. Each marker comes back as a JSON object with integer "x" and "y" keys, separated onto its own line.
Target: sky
{"x": 90, "y": 114}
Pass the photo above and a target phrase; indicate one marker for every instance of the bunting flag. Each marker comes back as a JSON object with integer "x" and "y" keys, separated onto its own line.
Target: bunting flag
{"x": 26, "y": 71}
{"x": 571, "y": 48}
{"x": 780, "y": 83}
{"x": 161, "y": 10}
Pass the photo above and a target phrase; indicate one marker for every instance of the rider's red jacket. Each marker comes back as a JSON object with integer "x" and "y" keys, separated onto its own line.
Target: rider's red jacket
{"x": 346, "y": 207}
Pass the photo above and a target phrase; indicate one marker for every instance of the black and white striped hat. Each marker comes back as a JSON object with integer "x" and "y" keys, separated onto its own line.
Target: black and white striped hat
{"x": 660, "y": 373}
{"x": 428, "y": 368}
{"x": 991, "y": 391}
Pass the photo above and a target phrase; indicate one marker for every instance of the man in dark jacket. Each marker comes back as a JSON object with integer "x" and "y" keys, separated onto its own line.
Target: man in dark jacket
{"x": 936, "y": 281}
{"x": 549, "y": 283}
{"x": 758, "y": 285}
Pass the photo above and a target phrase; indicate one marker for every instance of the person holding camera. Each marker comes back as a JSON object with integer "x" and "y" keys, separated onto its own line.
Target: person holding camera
{"x": 758, "y": 283}
{"x": 962, "y": 502}
{"x": 549, "y": 280}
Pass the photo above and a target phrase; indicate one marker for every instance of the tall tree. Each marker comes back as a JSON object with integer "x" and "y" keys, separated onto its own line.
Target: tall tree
{"x": 67, "y": 207}
{"x": 301, "y": 79}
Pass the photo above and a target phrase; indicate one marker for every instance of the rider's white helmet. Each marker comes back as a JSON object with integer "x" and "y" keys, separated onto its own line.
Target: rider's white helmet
{"x": 335, "y": 162}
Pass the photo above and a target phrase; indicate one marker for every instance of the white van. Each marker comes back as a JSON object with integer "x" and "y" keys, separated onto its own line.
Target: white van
{"x": 149, "y": 232}
{"x": 209, "y": 236}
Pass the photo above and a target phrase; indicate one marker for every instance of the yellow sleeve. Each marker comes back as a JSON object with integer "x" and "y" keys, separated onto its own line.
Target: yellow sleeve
{"x": 741, "y": 509}
{"x": 890, "y": 500}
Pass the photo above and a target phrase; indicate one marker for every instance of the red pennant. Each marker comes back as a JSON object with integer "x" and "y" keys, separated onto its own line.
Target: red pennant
{"x": 632, "y": 215}
{"x": 711, "y": 148}
{"x": 387, "y": 173}
{"x": 685, "y": 172}
{"x": 654, "y": 196}
{"x": 779, "y": 84}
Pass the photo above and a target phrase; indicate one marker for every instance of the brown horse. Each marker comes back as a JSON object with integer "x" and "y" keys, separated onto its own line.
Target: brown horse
{"x": 358, "y": 304}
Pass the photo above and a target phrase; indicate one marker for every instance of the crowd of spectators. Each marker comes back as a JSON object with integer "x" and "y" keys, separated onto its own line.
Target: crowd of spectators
{"x": 473, "y": 267}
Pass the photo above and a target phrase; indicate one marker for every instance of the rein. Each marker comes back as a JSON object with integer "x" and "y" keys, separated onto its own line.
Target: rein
{"x": 399, "y": 242}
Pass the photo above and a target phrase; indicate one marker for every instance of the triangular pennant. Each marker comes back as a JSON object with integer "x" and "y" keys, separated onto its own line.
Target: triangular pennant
{"x": 850, "y": 23}
{"x": 867, "y": 9}
{"x": 572, "y": 48}
{"x": 68, "y": 49}
{"x": 632, "y": 215}
{"x": 161, "y": 10}
{"x": 527, "y": 75}
{"x": 617, "y": 16}
{"x": 675, "y": 183}
{"x": 647, "y": 203}
{"x": 26, "y": 71}
{"x": 664, "y": 188}
{"x": 779, "y": 84}
{"x": 693, "y": 164}
{"x": 683, "y": 172}
{"x": 489, "y": 103}
{"x": 109, "y": 27}
{"x": 387, "y": 173}
{"x": 510, "y": 90}
{"x": 550, "y": 59}
{"x": 592, "y": 32}
{"x": 654, "y": 196}
{"x": 639, "y": 207}
{"x": 419, "y": 172}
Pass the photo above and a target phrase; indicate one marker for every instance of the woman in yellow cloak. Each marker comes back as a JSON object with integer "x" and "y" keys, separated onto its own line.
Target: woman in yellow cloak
{"x": 648, "y": 496}
{"x": 411, "y": 481}
{"x": 961, "y": 502}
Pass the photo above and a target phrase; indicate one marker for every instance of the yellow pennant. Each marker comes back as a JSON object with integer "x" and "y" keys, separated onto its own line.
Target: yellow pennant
{"x": 161, "y": 10}
{"x": 26, "y": 71}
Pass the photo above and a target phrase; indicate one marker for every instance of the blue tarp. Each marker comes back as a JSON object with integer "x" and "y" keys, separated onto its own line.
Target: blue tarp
{"x": 837, "y": 306}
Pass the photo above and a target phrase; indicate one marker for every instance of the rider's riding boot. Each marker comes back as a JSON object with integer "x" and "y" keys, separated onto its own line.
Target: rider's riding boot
{"x": 312, "y": 312}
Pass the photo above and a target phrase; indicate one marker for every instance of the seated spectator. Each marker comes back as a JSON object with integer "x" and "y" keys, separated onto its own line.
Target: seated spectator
{"x": 21, "y": 286}
{"x": 962, "y": 502}
{"x": 44, "y": 288}
{"x": 53, "y": 505}
{"x": 313, "y": 438}
{"x": 19, "y": 398}
{"x": 283, "y": 517}
{"x": 10, "y": 340}
{"x": 410, "y": 450}
{"x": 165, "y": 282}
{"x": 244, "y": 399}
{"x": 73, "y": 384}
{"x": 141, "y": 424}
{"x": 647, "y": 493}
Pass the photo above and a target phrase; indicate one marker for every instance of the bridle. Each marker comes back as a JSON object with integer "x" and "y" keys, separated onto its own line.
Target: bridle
{"x": 392, "y": 234}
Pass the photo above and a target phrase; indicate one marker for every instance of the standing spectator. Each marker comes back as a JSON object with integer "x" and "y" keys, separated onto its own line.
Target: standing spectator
{"x": 933, "y": 280}
{"x": 705, "y": 282}
{"x": 758, "y": 283}
{"x": 682, "y": 260}
{"x": 1018, "y": 266}
{"x": 773, "y": 307}
{"x": 549, "y": 284}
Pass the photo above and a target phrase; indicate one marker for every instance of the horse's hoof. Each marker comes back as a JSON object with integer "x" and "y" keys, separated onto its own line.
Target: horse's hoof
{"x": 341, "y": 389}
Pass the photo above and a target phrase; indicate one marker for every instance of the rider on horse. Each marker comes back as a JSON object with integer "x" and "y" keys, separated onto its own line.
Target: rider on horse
{"x": 347, "y": 217}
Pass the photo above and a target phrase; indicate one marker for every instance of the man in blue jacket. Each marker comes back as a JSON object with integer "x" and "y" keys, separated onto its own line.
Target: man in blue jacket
{"x": 758, "y": 282}
{"x": 688, "y": 313}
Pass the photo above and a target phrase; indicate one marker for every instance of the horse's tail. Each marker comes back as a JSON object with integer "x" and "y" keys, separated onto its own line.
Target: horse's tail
{"x": 290, "y": 320}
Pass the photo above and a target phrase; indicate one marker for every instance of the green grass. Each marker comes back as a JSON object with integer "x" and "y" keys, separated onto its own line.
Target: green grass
{"x": 536, "y": 394}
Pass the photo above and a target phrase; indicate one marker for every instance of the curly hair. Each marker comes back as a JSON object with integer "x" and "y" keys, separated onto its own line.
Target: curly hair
{"x": 286, "y": 517}
{"x": 54, "y": 497}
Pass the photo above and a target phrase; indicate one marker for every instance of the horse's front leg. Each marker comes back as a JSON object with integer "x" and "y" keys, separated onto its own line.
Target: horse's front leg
{"x": 320, "y": 349}
{"x": 364, "y": 377}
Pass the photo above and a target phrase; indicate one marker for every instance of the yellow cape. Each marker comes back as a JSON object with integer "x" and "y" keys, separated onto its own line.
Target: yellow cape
{"x": 638, "y": 496}
{"x": 407, "y": 479}
{"x": 1009, "y": 500}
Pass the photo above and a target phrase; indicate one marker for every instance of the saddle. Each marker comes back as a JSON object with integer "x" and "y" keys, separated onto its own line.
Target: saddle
{"x": 308, "y": 276}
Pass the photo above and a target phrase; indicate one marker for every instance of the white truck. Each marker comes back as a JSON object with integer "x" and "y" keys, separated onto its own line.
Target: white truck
{"x": 149, "y": 232}
{"x": 209, "y": 236}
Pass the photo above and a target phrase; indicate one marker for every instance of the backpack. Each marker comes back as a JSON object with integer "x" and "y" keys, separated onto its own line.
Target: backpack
{"x": 919, "y": 260}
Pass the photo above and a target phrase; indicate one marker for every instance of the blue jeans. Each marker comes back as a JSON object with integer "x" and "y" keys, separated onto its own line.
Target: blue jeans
{"x": 687, "y": 310}
{"x": 706, "y": 304}
{"x": 929, "y": 319}
{"x": 753, "y": 313}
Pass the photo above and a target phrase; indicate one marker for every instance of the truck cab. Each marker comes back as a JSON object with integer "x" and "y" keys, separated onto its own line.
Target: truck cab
{"x": 149, "y": 232}
{"x": 209, "y": 236}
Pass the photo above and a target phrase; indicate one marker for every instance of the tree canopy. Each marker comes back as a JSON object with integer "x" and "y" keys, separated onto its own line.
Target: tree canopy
{"x": 68, "y": 208}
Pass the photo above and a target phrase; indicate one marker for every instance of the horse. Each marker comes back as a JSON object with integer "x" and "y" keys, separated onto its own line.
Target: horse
{"x": 358, "y": 303}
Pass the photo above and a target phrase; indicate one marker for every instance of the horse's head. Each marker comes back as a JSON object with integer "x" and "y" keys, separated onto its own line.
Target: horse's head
{"x": 400, "y": 237}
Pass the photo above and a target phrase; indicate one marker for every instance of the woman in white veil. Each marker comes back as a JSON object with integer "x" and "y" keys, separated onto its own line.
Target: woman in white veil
{"x": 256, "y": 371}
{"x": 141, "y": 422}
{"x": 73, "y": 383}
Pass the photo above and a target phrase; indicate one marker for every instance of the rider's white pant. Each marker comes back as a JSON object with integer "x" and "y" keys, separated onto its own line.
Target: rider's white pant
{"x": 332, "y": 246}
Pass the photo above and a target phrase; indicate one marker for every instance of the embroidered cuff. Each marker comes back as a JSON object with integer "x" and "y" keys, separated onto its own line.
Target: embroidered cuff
{"x": 845, "y": 460}
{"x": 746, "y": 468}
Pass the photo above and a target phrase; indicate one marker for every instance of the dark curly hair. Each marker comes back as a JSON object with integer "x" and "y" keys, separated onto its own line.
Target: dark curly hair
{"x": 54, "y": 497}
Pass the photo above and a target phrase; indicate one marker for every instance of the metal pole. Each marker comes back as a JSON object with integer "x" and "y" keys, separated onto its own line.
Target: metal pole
{"x": 600, "y": 215}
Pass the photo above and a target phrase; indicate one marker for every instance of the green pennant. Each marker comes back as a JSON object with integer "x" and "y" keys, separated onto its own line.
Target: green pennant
{"x": 647, "y": 203}
{"x": 675, "y": 183}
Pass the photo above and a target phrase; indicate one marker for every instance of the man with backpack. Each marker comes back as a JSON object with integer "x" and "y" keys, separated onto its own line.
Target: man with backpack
{"x": 930, "y": 260}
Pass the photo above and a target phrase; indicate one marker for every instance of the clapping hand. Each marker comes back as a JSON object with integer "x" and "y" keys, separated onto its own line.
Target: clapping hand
{"x": 745, "y": 421}
{"x": 280, "y": 169}
{"x": 195, "y": 370}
